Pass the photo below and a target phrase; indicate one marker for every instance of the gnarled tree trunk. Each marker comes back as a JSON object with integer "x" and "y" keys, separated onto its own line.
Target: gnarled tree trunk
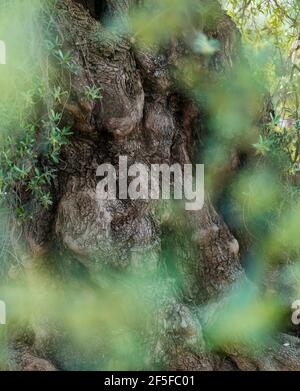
{"x": 144, "y": 116}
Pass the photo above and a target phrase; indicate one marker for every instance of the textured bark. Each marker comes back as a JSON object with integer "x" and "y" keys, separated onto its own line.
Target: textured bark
{"x": 144, "y": 116}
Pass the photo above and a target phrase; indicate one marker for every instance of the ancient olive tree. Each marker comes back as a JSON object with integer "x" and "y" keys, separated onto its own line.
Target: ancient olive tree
{"x": 143, "y": 113}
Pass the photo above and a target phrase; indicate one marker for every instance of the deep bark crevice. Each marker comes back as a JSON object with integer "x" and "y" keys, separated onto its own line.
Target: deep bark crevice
{"x": 97, "y": 8}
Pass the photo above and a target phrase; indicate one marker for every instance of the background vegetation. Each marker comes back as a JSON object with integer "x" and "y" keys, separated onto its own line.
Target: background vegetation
{"x": 254, "y": 106}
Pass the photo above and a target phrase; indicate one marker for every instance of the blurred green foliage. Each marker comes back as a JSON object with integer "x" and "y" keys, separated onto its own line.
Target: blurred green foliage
{"x": 264, "y": 196}
{"x": 31, "y": 89}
